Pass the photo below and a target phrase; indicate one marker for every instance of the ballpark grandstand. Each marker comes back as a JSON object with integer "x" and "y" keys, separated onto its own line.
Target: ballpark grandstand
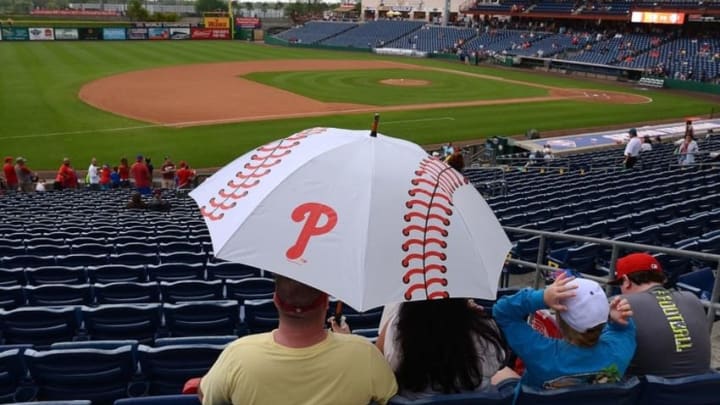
{"x": 105, "y": 304}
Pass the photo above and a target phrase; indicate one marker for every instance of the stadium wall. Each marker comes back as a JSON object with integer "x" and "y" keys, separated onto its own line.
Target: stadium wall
{"x": 111, "y": 33}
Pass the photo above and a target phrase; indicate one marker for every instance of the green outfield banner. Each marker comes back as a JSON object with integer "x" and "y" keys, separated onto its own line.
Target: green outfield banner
{"x": 66, "y": 34}
{"x": 15, "y": 34}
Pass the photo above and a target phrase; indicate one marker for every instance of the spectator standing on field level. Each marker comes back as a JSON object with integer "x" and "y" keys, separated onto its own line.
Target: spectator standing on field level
{"x": 93, "y": 175}
{"x": 141, "y": 175}
{"x": 10, "y": 176}
{"x": 168, "y": 174}
{"x": 24, "y": 176}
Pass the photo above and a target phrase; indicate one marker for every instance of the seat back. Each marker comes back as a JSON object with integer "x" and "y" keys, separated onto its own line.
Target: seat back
{"x": 176, "y": 272}
{"x": 56, "y": 275}
{"x": 260, "y": 315}
{"x": 59, "y": 294}
{"x": 191, "y": 290}
{"x": 126, "y": 293}
{"x": 161, "y": 400}
{"x": 123, "y": 321}
{"x": 700, "y": 389}
{"x": 101, "y": 376}
{"x": 202, "y": 318}
{"x": 623, "y": 393}
{"x": 12, "y": 374}
{"x": 38, "y": 325}
{"x": 251, "y": 288}
{"x": 12, "y": 297}
{"x": 113, "y": 273}
{"x": 231, "y": 271}
{"x": 168, "y": 367}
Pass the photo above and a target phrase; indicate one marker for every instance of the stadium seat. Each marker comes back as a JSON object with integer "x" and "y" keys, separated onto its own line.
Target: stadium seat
{"x": 38, "y": 325}
{"x": 48, "y": 250}
{"x": 56, "y": 275}
{"x": 133, "y": 259}
{"x": 14, "y": 381}
{"x": 95, "y": 344}
{"x": 699, "y": 282}
{"x": 250, "y": 288}
{"x": 231, "y": 271}
{"x": 101, "y": 376}
{"x": 358, "y": 320}
{"x": 122, "y": 321}
{"x": 126, "y": 293}
{"x": 68, "y": 402}
{"x": 174, "y": 247}
{"x": 136, "y": 247}
{"x": 195, "y": 340}
{"x": 113, "y": 273}
{"x": 624, "y": 393}
{"x": 83, "y": 260}
{"x": 202, "y": 318}
{"x": 27, "y": 261}
{"x": 694, "y": 390}
{"x": 12, "y": 277}
{"x": 168, "y": 367}
{"x": 12, "y": 297}
{"x": 161, "y": 400}
{"x": 92, "y": 249}
{"x": 192, "y": 290}
{"x": 260, "y": 316}
{"x": 59, "y": 294}
{"x": 183, "y": 257}
{"x": 176, "y": 272}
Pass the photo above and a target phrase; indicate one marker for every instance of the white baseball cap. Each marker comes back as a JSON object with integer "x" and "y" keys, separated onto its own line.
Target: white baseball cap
{"x": 588, "y": 308}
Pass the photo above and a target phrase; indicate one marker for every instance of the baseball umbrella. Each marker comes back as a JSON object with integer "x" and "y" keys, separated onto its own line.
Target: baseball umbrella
{"x": 369, "y": 219}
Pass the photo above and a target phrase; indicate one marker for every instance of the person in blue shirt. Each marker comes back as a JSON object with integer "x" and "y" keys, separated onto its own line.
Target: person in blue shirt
{"x": 599, "y": 338}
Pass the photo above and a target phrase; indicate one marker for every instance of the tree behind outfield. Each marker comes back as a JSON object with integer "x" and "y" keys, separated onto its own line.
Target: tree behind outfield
{"x": 202, "y": 6}
{"x": 136, "y": 11}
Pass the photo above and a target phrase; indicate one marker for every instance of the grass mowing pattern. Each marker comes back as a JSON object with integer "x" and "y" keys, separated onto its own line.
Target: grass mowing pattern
{"x": 40, "y": 81}
{"x": 365, "y": 87}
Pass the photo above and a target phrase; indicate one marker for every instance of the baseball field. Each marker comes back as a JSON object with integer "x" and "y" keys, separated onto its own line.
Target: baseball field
{"x": 209, "y": 102}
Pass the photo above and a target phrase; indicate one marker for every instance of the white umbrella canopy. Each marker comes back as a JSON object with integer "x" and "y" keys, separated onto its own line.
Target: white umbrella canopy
{"x": 369, "y": 220}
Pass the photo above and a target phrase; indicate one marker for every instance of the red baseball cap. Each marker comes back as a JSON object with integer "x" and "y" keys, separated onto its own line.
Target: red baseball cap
{"x": 634, "y": 263}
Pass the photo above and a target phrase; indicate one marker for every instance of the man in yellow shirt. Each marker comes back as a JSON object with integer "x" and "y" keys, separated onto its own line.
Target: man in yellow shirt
{"x": 300, "y": 362}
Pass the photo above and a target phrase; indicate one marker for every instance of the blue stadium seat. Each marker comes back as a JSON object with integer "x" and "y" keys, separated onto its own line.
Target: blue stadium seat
{"x": 176, "y": 272}
{"x": 359, "y": 320}
{"x": 56, "y": 275}
{"x": 174, "y": 247}
{"x": 195, "y": 340}
{"x": 139, "y": 322}
{"x": 699, "y": 282}
{"x": 136, "y": 247}
{"x": 231, "y": 271}
{"x": 48, "y": 250}
{"x": 38, "y": 325}
{"x": 27, "y": 261}
{"x": 14, "y": 380}
{"x": 581, "y": 259}
{"x": 92, "y": 249}
{"x": 260, "y": 316}
{"x": 202, "y": 318}
{"x": 694, "y": 390}
{"x": 126, "y": 293}
{"x": 167, "y": 368}
{"x": 84, "y": 260}
{"x": 68, "y": 402}
{"x": 12, "y": 297}
{"x": 114, "y": 273}
{"x": 101, "y": 376}
{"x": 59, "y": 294}
{"x": 95, "y": 344}
{"x": 503, "y": 395}
{"x": 132, "y": 259}
{"x": 161, "y": 400}
{"x": 191, "y": 290}
{"x": 624, "y": 393}
{"x": 12, "y": 277}
{"x": 250, "y": 288}
{"x": 183, "y": 257}
{"x": 10, "y": 251}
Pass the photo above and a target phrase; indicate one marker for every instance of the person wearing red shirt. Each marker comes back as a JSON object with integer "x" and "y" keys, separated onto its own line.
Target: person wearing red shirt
{"x": 124, "y": 171}
{"x": 141, "y": 175}
{"x": 184, "y": 176}
{"x": 10, "y": 176}
{"x": 105, "y": 177}
{"x": 66, "y": 176}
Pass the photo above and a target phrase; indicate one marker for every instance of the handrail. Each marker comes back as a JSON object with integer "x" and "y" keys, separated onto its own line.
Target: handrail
{"x": 713, "y": 305}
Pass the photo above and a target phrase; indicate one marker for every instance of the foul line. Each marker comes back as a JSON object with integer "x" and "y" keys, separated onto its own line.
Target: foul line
{"x": 420, "y": 120}
{"x": 88, "y": 131}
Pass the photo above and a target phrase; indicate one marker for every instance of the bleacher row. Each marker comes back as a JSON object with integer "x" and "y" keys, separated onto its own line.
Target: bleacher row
{"x": 682, "y": 55}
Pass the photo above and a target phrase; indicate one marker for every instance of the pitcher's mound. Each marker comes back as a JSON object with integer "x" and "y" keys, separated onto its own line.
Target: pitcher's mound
{"x": 405, "y": 82}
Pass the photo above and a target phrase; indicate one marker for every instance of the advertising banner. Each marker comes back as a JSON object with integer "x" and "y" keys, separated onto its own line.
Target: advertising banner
{"x": 41, "y": 34}
{"x": 216, "y": 22}
{"x": 650, "y": 17}
{"x": 179, "y": 33}
{"x": 247, "y": 22}
{"x": 206, "y": 33}
{"x": 158, "y": 33}
{"x": 114, "y": 34}
{"x": 90, "y": 34}
{"x": 66, "y": 34}
{"x": 15, "y": 34}
{"x": 137, "y": 33}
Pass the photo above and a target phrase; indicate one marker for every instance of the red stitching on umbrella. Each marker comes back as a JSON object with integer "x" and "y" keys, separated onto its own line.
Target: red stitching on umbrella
{"x": 429, "y": 212}
{"x": 267, "y": 156}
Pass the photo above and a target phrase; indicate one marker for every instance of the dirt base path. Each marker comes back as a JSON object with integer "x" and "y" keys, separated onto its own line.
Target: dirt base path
{"x": 208, "y": 94}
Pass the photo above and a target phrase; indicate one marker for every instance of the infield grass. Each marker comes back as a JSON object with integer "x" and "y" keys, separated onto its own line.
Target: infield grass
{"x": 366, "y": 87}
{"x": 42, "y": 119}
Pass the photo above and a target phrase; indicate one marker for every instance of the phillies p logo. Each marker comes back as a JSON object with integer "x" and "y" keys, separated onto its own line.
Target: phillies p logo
{"x": 319, "y": 219}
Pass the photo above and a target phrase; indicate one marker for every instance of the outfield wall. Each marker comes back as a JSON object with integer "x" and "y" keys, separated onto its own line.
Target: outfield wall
{"x": 111, "y": 34}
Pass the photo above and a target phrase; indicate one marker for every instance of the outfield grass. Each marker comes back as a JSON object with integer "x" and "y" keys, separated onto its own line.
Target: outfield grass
{"x": 42, "y": 119}
{"x": 365, "y": 87}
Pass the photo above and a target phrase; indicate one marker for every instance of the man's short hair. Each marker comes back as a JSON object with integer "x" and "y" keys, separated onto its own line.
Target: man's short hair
{"x": 295, "y": 298}
{"x": 645, "y": 277}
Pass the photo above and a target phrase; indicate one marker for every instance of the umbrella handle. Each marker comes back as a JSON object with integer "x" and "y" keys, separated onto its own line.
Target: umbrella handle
{"x": 338, "y": 313}
{"x": 374, "y": 129}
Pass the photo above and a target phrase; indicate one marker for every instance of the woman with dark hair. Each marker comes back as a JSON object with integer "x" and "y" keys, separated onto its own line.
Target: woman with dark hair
{"x": 441, "y": 347}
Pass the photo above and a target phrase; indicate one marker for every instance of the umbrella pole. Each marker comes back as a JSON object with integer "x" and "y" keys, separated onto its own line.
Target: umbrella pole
{"x": 376, "y": 121}
{"x": 338, "y": 313}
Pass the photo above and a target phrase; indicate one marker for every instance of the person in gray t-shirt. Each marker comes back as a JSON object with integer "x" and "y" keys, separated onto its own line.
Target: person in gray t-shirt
{"x": 672, "y": 335}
